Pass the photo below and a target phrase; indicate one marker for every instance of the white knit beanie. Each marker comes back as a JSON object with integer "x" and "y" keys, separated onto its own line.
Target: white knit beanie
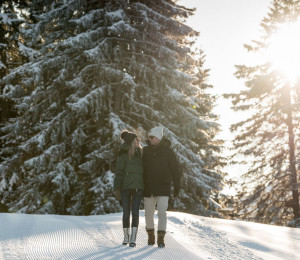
{"x": 157, "y": 132}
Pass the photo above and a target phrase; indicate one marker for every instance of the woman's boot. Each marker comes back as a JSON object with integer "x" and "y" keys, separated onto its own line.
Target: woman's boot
{"x": 126, "y": 236}
{"x": 133, "y": 236}
{"x": 151, "y": 237}
{"x": 160, "y": 238}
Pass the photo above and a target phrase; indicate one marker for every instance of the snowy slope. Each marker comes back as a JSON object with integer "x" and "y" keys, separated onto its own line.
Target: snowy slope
{"x": 99, "y": 237}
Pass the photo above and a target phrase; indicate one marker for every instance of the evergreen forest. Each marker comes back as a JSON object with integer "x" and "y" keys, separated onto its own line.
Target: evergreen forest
{"x": 75, "y": 73}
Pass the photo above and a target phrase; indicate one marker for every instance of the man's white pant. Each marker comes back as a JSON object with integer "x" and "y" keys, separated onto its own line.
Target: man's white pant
{"x": 162, "y": 206}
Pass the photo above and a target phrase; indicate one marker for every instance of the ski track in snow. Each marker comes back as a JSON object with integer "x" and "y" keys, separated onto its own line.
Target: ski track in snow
{"x": 213, "y": 244}
{"x": 38, "y": 237}
{"x": 71, "y": 237}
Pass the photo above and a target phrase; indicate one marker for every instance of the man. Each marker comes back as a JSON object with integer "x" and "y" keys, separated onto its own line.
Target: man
{"x": 160, "y": 167}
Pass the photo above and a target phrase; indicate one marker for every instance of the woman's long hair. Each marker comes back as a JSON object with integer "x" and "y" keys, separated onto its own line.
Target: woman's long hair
{"x": 132, "y": 148}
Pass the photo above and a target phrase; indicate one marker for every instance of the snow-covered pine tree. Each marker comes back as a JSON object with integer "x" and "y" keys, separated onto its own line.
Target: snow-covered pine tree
{"x": 10, "y": 40}
{"x": 100, "y": 67}
{"x": 10, "y": 58}
{"x": 265, "y": 141}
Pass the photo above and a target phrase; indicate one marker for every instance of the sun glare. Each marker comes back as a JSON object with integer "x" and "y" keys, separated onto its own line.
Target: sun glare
{"x": 284, "y": 50}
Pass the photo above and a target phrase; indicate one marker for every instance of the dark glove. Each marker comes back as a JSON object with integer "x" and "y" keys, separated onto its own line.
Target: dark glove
{"x": 118, "y": 194}
{"x": 176, "y": 191}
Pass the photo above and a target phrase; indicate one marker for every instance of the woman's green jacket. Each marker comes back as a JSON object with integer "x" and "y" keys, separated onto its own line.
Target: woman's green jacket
{"x": 129, "y": 172}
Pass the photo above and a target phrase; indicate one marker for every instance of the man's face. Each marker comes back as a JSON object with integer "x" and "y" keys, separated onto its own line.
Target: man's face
{"x": 153, "y": 140}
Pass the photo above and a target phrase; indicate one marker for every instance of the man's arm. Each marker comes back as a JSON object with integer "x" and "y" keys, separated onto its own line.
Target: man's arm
{"x": 173, "y": 164}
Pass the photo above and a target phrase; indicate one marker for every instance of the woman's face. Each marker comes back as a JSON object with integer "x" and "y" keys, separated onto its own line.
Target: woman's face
{"x": 136, "y": 142}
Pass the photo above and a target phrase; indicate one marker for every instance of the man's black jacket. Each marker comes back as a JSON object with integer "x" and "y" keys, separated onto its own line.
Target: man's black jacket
{"x": 160, "y": 167}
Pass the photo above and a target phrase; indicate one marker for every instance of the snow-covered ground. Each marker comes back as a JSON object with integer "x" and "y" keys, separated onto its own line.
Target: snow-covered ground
{"x": 99, "y": 237}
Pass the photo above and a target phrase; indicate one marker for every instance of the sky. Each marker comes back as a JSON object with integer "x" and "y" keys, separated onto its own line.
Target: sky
{"x": 189, "y": 237}
{"x": 225, "y": 26}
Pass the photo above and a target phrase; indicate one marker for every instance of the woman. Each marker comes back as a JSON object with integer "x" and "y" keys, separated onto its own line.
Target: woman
{"x": 128, "y": 183}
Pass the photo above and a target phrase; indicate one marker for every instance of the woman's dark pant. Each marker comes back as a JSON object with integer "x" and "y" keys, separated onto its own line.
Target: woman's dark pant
{"x": 133, "y": 198}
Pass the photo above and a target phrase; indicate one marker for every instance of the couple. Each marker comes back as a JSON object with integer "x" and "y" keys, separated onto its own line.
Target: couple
{"x": 145, "y": 172}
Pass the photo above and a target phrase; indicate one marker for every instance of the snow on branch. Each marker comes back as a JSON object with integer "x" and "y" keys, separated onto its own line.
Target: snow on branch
{"x": 2, "y": 66}
{"x": 3, "y": 185}
{"x": 121, "y": 27}
{"x": 82, "y": 105}
{"x": 31, "y": 54}
{"x": 117, "y": 125}
{"x": 87, "y": 20}
{"x": 115, "y": 16}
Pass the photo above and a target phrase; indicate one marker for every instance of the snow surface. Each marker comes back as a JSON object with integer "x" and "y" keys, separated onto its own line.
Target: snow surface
{"x": 99, "y": 237}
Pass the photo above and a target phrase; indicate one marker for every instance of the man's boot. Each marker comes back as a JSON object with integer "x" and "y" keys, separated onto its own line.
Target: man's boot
{"x": 126, "y": 236}
{"x": 160, "y": 238}
{"x": 133, "y": 236}
{"x": 151, "y": 237}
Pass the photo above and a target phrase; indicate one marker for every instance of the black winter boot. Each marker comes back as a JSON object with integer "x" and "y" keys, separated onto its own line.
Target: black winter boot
{"x": 160, "y": 238}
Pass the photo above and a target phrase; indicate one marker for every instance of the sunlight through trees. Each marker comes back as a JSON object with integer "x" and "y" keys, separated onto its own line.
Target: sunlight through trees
{"x": 267, "y": 140}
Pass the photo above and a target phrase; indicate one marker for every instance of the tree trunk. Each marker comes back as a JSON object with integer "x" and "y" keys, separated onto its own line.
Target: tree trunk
{"x": 293, "y": 172}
